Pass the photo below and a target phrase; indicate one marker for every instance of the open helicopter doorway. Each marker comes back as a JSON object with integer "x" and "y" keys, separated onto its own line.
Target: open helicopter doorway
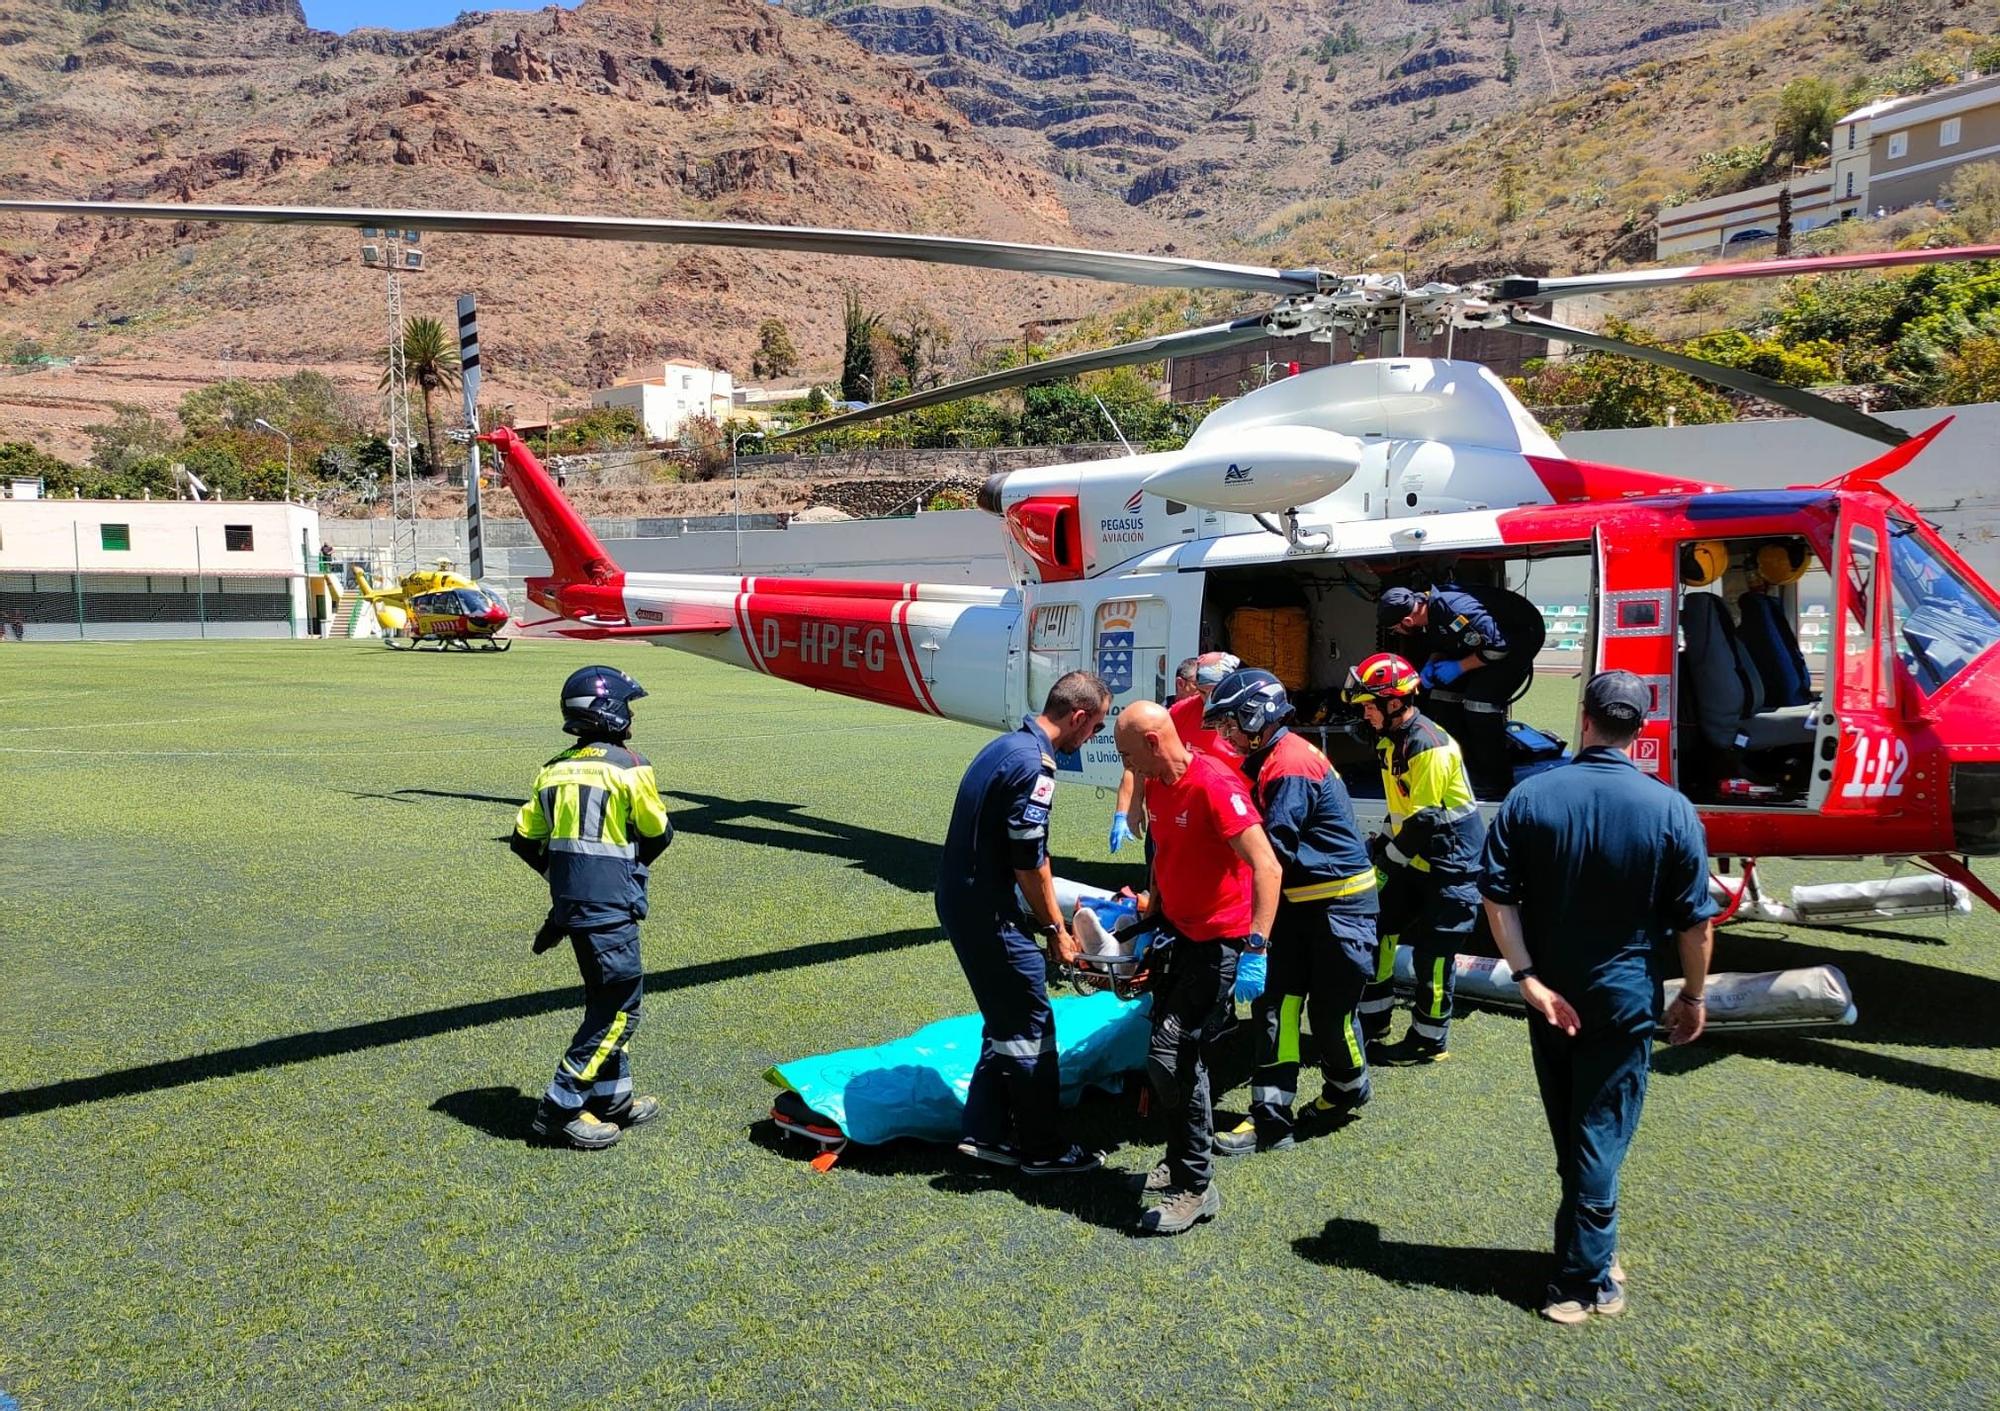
{"x": 1308, "y": 621}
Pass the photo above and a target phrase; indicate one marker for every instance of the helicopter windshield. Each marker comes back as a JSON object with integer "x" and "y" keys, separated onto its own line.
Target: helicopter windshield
{"x": 1942, "y": 624}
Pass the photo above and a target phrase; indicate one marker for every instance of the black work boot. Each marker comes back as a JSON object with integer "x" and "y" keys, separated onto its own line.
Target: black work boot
{"x": 583, "y": 1131}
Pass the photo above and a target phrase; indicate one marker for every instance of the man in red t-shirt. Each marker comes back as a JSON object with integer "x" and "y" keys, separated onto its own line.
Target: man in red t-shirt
{"x": 1215, "y": 889}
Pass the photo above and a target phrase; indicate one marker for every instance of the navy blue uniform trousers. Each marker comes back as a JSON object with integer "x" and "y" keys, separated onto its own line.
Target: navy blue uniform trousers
{"x": 1321, "y": 961}
{"x": 595, "y": 1075}
{"x": 1592, "y": 1088}
{"x": 1016, "y": 1091}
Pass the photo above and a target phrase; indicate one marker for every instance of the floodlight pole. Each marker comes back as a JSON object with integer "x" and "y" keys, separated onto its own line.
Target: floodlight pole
{"x": 736, "y": 483}
{"x": 288, "y": 455}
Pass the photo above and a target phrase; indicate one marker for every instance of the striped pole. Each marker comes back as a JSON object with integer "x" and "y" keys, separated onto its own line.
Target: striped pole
{"x": 468, "y": 364}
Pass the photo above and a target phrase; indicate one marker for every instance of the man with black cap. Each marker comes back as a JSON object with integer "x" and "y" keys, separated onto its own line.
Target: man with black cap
{"x": 1588, "y": 870}
{"x": 1476, "y": 648}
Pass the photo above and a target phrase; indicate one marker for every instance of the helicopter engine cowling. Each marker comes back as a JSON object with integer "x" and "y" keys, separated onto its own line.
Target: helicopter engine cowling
{"x": 1265, "y": 470}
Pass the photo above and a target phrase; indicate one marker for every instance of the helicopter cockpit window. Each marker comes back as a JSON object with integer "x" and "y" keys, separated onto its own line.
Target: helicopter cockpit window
{"x": 1941, "y": 623}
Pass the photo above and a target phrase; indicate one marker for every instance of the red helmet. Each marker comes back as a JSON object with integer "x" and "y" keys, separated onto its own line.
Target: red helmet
{"x": 1382, "y": 677}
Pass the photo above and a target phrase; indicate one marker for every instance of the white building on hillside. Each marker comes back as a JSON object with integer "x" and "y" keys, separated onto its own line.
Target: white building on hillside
{"x": 1893, "y": 153}
{"x": 663, "y": 404}
{"x": 159, "y": 568}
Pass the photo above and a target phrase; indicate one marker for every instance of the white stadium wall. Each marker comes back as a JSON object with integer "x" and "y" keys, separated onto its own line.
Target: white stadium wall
{"x": 131, "y": 569}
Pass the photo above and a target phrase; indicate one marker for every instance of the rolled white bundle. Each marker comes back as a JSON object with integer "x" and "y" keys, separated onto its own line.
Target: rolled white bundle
{"x": 1772, "y": 999}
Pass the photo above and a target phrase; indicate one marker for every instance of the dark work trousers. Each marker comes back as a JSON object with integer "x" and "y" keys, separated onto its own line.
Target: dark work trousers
{"x": 1190, "y": 1012}
{"x": 595, "y": 1075}
{"x": 1592, "y": 1089}
{"x": 1321, "y": 960}
{"x": 1473, "y": 711}
{"x": 1016, "y": 1091}
{"x": 1435, "y": 917}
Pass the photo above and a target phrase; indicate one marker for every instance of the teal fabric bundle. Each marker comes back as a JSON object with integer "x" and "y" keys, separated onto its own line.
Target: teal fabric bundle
{"x": 915, "y": 1087}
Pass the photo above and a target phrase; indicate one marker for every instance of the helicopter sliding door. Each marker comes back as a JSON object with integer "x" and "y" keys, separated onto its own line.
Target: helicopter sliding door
{"x": 1632, "y": 629}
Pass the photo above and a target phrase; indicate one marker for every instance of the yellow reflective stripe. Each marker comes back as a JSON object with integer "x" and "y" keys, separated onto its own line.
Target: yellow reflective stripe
{"x": 649, "y": 814}
{"x": 1350, "y": 1030}
{"x": 1385, "y": 961}
{"x": 1288, "y": 1028}
{"x": 605, "y": 1049}
{"x": 1437, "y": 988}
{"x": 1327, "y": 891}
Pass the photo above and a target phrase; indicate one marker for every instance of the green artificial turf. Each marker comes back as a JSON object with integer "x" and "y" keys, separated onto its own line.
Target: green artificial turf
{"x": 270, "y": 1034}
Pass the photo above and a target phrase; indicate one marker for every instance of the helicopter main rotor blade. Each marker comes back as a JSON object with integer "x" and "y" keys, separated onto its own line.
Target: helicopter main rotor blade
{"x": 1189, "y": 343}
{"x": 1161, "y": 271}
{"x": 1797, "y": 399}
{"x": 1522, "y": 287}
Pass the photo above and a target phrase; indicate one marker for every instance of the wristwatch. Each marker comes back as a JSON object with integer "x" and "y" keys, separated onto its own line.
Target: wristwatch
{"x": 1256, "y": 941}
{"x": 1523, "y": 973}
{"x": 1050, "y": 931}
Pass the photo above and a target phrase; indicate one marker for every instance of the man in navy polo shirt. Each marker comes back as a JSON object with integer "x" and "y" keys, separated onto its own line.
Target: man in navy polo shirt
{"x": 1589, "y": 870}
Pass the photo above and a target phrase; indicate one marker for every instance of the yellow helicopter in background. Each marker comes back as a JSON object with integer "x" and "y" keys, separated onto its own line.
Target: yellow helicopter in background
{"x": 440, "y": 606}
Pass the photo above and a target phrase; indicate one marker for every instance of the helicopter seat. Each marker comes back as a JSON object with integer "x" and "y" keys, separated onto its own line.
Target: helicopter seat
{"x": 1725, "y": 729}
{"x": 1774, "y": 648}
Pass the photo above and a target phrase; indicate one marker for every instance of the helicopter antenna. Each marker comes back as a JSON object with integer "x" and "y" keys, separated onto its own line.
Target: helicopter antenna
{"x": 1114, "y": 424}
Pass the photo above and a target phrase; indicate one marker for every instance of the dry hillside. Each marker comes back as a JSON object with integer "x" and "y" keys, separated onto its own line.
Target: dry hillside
{"x": 730, "y": 110}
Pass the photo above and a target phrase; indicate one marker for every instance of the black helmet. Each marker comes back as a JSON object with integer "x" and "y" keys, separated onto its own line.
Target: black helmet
{"x": 1253, "y": 698}
{"x": 598, "y": 701}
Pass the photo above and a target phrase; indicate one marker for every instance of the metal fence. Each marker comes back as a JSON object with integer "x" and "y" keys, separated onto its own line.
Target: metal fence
{"x": 82, "y": 606}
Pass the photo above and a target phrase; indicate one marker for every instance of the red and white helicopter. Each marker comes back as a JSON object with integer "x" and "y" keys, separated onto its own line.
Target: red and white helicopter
{"x": 1318, "y": 490}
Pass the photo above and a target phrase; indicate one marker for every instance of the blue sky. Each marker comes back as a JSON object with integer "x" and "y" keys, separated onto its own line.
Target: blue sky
{"x": 342, "y": 15}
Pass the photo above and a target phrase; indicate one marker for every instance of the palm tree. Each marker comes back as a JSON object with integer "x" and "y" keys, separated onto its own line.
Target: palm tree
{"x": 430, "y": 359}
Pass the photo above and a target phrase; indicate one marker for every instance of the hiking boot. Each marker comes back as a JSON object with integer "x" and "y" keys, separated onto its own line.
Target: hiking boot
{"x": 1180, "y": 1210}
{"x": 583, "y": 1131}
{"x": 1073, "y": 1162}
{"x": 1571, "y": 1311}
{"x": 1242, "y": 1140}
{"x": 1153, "y": 1182}
{"x": 641, "y": 1111}
{"x": 1408, "y": 1050}
{"x": 998, "y": 1153}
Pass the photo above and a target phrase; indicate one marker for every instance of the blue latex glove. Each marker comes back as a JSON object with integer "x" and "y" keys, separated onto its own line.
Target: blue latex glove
{"x": 1442, "y": 673}
{"x": 1121, "y": 831}
{"x": 1113, "y": 912}
{"x": 1250, "y": 971}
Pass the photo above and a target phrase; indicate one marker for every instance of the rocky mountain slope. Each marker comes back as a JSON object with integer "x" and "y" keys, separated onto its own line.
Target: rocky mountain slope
{"x": 1215, "y": 112}
{"x": 730, "y": 110}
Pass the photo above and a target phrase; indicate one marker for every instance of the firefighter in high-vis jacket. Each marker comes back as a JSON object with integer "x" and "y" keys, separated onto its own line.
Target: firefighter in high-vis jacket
{"x": 1428, "y": 852}
{"x": 593, "y": 827}
{"x": 1323, "y": 940}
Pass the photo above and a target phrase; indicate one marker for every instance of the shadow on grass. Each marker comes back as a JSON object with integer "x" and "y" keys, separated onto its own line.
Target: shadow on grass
{"x": 1516, "y": 1276}
{"x": 382, "y": 1033}
{"x": 1105, "y": 1198}
{"x": 908, "y": 864}
{"x": 498, "y": 1112}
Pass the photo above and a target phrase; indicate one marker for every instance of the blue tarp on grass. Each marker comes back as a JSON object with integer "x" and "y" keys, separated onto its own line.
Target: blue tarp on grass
{"x": 915, "y": 1087}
